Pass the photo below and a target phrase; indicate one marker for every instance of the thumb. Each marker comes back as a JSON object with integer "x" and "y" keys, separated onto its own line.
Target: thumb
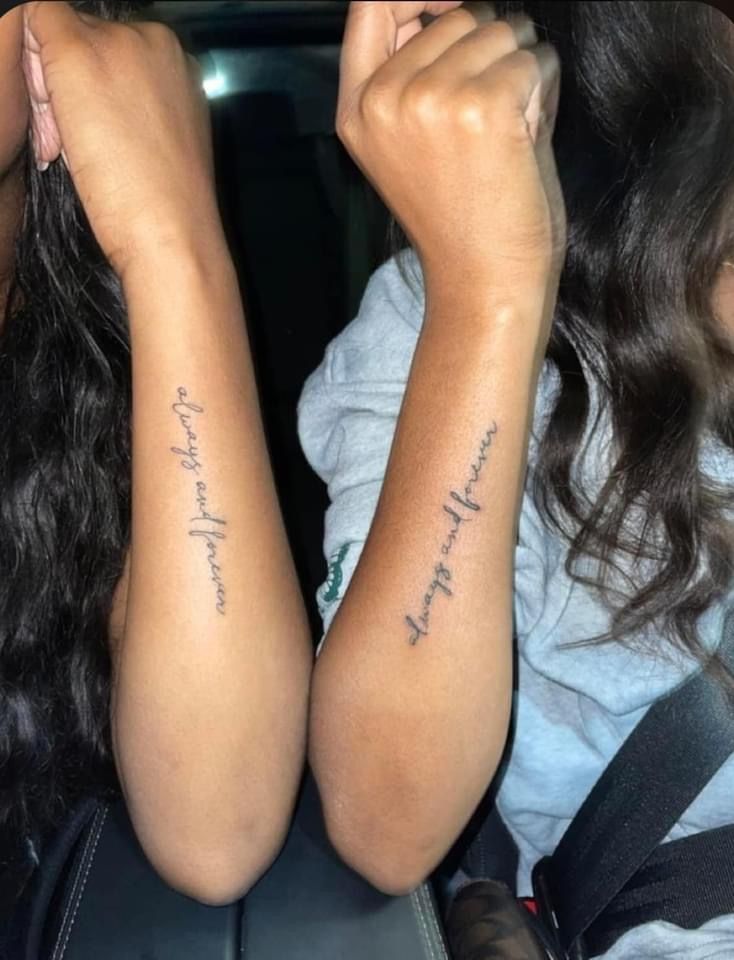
{"x": 47, "y": 26}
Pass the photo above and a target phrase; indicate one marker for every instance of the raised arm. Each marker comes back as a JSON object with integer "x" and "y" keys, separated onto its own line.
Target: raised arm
{"x": 213, "y": 659}
{"x": 411, "y": 696}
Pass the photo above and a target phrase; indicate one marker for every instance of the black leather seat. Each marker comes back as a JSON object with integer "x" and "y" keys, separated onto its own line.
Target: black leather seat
{"x": 309, "y": 906}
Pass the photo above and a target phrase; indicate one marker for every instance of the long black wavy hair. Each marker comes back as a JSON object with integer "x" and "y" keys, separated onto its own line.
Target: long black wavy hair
{"x": 645, "y": 150}
{"x": 65, "y": 393}
{"x": 644, "y": 143}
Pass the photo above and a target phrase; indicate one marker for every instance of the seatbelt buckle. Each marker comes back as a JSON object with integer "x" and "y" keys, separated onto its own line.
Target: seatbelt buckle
{"x": 547, "y": 915}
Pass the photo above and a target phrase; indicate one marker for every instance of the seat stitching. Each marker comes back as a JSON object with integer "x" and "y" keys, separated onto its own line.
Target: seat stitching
{"x": 95, "y": 833}
{"x": 77, "y": 879}
{"x": 430, "y": 919}
{"x": 418, "y": 908}
{"x": 433, "y": 920}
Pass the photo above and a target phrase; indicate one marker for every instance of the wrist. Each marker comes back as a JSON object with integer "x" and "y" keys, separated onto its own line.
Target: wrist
{"x": 460, "y": 298}
{"x": 499, "y": 321}
{"x": 182, "y": 260}
{"x": 184, "y": 291}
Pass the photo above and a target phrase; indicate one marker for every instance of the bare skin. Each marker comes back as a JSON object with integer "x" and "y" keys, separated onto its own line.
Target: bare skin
{"x": 211, "y": 651}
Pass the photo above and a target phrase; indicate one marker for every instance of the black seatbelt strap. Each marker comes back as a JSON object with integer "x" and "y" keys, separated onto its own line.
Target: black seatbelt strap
{"x": 685, "y": 882}
{"x": 657, "y": 773}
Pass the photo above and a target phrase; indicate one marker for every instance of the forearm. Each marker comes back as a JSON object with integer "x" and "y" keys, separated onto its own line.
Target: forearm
{"x": 412, "y": 692}
{"x": 212, "y": 674}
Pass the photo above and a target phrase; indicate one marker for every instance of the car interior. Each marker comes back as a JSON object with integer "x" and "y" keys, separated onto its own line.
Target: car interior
{"x": 306, "y": 231}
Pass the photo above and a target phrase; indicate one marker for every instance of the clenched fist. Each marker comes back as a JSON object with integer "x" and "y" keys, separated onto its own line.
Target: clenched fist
{"x": 452, "y": 123}
{"x": 122, "y": 105}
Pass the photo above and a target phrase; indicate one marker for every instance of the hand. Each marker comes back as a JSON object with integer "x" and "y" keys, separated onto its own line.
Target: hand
{"x": 122, "y": 105}
{"x": 453, "y": 124}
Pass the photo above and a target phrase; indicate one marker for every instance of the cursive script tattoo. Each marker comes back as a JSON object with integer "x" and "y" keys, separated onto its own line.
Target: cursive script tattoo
{"x": 460, "y": 509}
{"x": 204, "y": 525}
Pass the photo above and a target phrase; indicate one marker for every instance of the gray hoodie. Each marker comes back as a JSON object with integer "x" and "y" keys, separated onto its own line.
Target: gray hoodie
{"x": 574, "y": 705}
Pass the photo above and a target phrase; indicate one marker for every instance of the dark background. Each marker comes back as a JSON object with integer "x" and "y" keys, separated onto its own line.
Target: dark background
{"x": 305, "y": 229}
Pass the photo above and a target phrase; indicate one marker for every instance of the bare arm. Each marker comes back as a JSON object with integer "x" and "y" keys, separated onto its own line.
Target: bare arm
{"x": 212, "y": 669}
{"x": 212, "y": 678}
{"x": 412, "y": 692}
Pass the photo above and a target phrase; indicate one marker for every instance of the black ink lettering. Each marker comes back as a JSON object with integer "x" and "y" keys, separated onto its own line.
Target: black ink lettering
{"x": 190, "y": 459}
{"x": 464, "y": 501}
{"x": 417, "y": 632}
{"x": 442, "y": 576}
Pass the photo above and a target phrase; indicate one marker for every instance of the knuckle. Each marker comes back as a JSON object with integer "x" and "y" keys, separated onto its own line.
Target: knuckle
{"x": 471, "y": 113}
{"x": 160, "y": 35}
{"x": 377, "y": 103}
{"x": 502, "y": 32}
{"x": 156, "y": 32}
{"x": 511, "y": 73}
{"x": 344, "y": 126}
{"x": 523, "y": 29}
{"x": 526, "y": 59}
{"x": 423, "y": 102}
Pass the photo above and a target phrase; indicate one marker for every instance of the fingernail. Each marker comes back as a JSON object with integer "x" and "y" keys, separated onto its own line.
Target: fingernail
{"x": 482, "y": 11}
{"x": 41, "y": 165}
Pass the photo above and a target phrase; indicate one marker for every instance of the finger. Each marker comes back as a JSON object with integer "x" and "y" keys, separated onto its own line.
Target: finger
{"x": 49, "y": 20}
{"x": 33, "y": 70}
{"x": 531, "y": 80}
{"x": 407, "y": 32}
{"x": 481, "y": 10}
{"x": 475, "y": 51}
{"x": 425, "y": 48}
{"x": 371, "y": 34}
{"x": 45, "y": 138}
{"x": 542, "y": 105}
{"x": 48, "y": 27}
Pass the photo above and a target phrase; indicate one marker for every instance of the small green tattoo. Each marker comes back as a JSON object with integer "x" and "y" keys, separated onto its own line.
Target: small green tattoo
{"x": 335, "y": 575}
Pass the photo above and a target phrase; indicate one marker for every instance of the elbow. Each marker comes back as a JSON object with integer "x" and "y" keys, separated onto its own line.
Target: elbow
{"x": 392, "y": 879}
{"x": 394, "y": 866}
{"x": 393, "y": 871}
{"x": 217, "y": 874}
{"x": 212, "y": 848}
